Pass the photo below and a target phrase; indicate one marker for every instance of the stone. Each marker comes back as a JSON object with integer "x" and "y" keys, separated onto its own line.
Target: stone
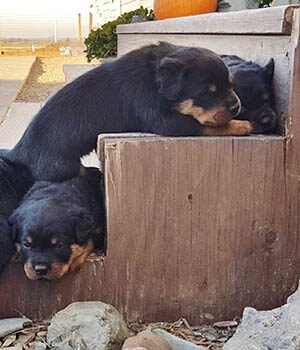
{"x": 10, "y": 325}
{"x": 40, "y": 346}
{"x": 274, "y": 329}
{"x": 90, "y": 325}
{"x": 146, "y": 340}
{"x": 15, "y": 347}
{"x": 8, "y": 341}
{"x": 177, "y": 343}
{"x": 225, "y": 324}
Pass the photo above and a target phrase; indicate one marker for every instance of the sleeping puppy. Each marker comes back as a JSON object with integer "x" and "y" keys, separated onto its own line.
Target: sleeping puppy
{"x": 162, "y": 89}
{"x": 253, "y": 85}
{"x": 57, "y": 225}
{"x": 15, "y": 181}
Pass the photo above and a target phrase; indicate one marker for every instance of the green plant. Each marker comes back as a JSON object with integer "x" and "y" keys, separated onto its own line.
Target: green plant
{"x": 102, "y": 42}
{"x": 263, "y": 2}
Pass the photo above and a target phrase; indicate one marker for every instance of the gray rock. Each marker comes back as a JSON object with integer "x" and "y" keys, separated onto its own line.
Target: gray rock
{"x": 40, "y": 346}
{"x": 89, "y": 325}
{"x": 177, "y": 343}
{"x": 10, "y": 325}
{"x": 277, "y": 329}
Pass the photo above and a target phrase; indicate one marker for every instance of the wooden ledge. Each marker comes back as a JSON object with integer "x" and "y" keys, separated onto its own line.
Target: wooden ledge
{"x": 273, "y": 20}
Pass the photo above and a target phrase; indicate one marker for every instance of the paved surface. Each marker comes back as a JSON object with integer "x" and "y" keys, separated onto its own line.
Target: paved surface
{"x": 13, "y": 73}
{"x": 15, "y": 122}
{"x": 15, "y": 116}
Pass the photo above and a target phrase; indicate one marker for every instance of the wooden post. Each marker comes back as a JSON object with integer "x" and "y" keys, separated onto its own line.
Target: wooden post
{"x": 55, "y": 30}
{"x": 79, "y": 27}
{"x": 90, "y": 22}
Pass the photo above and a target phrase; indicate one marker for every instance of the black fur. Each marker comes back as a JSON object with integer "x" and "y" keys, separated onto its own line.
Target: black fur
{"x": 72, "y": 212}
{"x": 137, "y": 93}
{"x": 253, "y": 85}
{"x": 15, "y": 181}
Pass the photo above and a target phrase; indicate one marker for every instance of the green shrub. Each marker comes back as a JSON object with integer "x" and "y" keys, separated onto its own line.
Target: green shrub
{"x": 102, "y": 42}
{"x": 263, "y": 2}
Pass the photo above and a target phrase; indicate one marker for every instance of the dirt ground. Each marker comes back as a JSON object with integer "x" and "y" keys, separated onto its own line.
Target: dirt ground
{"x": 46, "y": 77}
{"x": 34, "y": 336}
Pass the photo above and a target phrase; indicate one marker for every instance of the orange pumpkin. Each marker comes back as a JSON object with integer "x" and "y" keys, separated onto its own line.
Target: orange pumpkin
{"x": 179, "y": 8}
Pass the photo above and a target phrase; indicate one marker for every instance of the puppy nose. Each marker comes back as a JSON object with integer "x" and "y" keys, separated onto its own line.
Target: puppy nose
{"x": 234, "y": 104}
{"x": 41, "y": 269}
{"x": 234, "y": 109}
{"x": 266, "y": 119}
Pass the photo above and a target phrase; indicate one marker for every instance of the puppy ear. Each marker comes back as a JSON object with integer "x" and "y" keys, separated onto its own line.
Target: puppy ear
{"x": 84, "y": 228}
{"x": 170, "y": 77}
{"x": 269, "y": 70}
{"x": 13, "y": 223}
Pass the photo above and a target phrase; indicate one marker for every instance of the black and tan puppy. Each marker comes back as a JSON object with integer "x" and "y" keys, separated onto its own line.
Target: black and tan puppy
{"x": 57, "y": 225}
{"x": 15, "y": 181}
{"x": 253, "y": 85}
{"x": 163, "y": 89}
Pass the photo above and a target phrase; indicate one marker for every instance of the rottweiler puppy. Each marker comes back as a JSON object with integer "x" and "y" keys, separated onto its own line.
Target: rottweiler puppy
{"x": 253, "y": 85}
{"x": 15, "y": 181}
{"x": 57, "y": 225}
{"x": 163, "y": 89}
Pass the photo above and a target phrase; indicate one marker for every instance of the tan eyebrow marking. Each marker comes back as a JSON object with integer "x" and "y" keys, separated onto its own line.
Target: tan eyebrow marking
{"x": 230, "y": 78}
{"x": 29, "y": 239}
{"x": 212, "y": 88}
{"x": 265, "y": 96}
{"x": 53, "y": 241}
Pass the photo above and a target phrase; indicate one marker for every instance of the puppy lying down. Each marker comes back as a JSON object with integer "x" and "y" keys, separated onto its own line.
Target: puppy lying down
{"x": 57, "y": 225}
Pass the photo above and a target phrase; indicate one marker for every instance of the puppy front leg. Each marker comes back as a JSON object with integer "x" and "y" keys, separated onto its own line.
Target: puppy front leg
{"x": 233, "y": 128}
{"x": 82, "y": 171}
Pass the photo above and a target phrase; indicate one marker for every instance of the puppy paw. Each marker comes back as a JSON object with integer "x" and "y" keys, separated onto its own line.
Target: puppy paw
{"x": 239, "y": 127}
{"x": 233, "y": 128}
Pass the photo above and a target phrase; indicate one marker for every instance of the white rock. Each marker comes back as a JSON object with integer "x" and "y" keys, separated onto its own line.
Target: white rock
{"x": 274, "y": 329}
{"x": 10, "y": 325}
{"x": 89, "y": 325}
{"x": 177, "y": 343}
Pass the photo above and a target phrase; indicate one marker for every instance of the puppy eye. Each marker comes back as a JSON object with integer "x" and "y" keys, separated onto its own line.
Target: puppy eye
{"x": 59, "y": 244}
{"x": 266, "y": 97}
{"x": 26, "y": 244}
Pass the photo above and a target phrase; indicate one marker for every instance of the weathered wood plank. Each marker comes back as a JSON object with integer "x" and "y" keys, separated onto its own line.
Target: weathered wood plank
{"x": 275, "y": 20}
{"x": 293, "y": 142}
{"x": 200, "y": 225}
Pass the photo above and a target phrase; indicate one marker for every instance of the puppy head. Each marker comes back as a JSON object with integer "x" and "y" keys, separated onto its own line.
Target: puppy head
{"x": 197, "y": 83}
{"x": 53, "y": 238}
{"x": 254, "y": 88}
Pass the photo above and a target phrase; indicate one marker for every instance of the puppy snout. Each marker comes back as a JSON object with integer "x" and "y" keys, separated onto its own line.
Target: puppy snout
{"x": 41, "y": 269}
{"x": 234, "y": 109}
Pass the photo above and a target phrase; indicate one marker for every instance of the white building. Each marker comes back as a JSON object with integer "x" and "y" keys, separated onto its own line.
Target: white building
{"x": 109, "y": 10}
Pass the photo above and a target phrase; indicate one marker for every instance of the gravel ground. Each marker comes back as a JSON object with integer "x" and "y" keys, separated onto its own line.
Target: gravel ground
{"x": 46, "y": 77}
